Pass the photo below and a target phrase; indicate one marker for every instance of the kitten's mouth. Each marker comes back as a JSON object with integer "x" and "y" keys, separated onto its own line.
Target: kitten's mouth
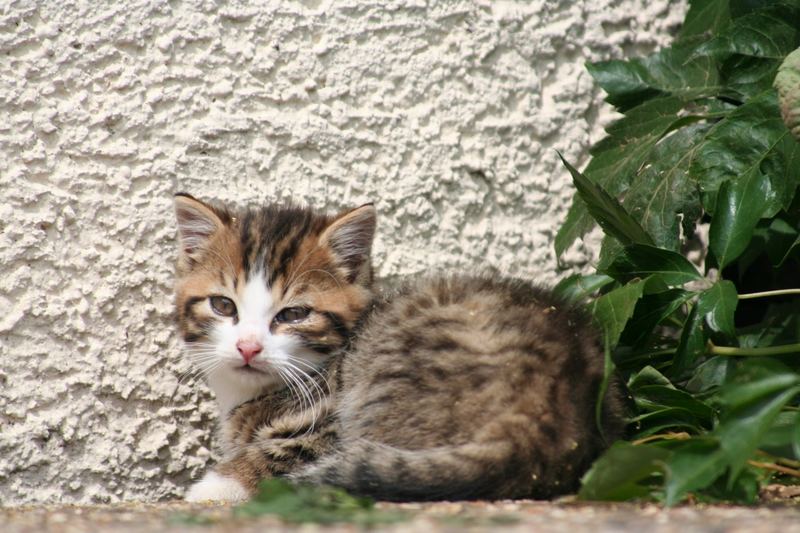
{"x": 249, "y": 369}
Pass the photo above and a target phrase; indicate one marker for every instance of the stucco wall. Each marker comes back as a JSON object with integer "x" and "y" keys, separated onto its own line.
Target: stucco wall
{"x": 444, "y": 113}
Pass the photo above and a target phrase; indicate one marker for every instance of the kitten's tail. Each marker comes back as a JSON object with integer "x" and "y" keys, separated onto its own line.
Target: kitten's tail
{"x": 383, "y": 472}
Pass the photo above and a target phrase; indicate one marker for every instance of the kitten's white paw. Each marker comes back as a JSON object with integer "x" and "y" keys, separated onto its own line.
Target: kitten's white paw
{"x": 215, "y": 487}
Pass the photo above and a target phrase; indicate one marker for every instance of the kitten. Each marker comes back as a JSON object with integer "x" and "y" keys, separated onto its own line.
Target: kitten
{"x": 458, "y": 387}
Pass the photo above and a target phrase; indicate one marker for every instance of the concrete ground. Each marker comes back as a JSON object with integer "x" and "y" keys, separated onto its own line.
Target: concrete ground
{"x": 520, "y": 516}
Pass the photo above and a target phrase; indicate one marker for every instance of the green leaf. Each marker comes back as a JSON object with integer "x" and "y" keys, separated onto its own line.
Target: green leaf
{"x": 745, "y": 77}
{"x": 779, "y": 440}
{"x": 780, "y": 240}
{"x": 314, "y": 504}
{"x": 740, "y": 205}
{"x": 744, "y": 489}
{"x": 639, "y": 261}
{"x": 664, "y": 194}
{"x": 578, "y": 287}
{"x": 648, "y": 376}
{"x": 767, "y": 33}
{"x": 656, "y": 397}
{"x": 755, "y": 380}
{"x": 751, "y": 403}
{"x": 613, "y": 310}
{"x": 608, "y": 212}
{"x": 741, "y": 431}
{"x": 608, "y": 372}
{"x": 752, "y": 148}
{"x": 651, "y": 310}
{"x": 705, "y": 16}
{"x": 740, "y": 8}
{"x": 692, "y": 344}
{"x": 668, "y": 418}
{"x": 622, "y": 472}
{"x": 676, "y": 71}
{"x": 718, "y": 305}
{"x": 752, "y": 152}
{"x": 710, "y": 375}
{"x": 653, "y": 392}
{"x": 617, "y": 157}
{"x": 694, "y": 464}
{"x": 791, "y": 250}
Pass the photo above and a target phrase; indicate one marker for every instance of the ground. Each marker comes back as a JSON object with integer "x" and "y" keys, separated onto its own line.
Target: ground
{"x": 520, "y": 516}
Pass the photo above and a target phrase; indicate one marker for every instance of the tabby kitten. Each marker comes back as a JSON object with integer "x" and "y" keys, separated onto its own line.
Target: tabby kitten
{"x": 457, "y": 387}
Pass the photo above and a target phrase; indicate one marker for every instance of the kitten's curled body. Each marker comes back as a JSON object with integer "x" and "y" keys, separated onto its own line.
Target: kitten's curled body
{"x": 452, "y": 387}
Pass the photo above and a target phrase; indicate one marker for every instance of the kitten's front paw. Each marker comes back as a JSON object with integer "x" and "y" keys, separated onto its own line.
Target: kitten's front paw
{"x": 215, "y": 487}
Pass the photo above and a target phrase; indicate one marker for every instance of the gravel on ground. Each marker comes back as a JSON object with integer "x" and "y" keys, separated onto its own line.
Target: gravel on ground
{"x": 518, "y": 516}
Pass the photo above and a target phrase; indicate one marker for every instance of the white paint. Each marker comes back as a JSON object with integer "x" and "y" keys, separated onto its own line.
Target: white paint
{"x": 445, "y": 114}
{"x": 216, "y": 488}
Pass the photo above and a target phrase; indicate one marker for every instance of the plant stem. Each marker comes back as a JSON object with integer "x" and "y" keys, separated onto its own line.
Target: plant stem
{"x": 729, "y": 350}
{"x": 767, "y": 294}
{"x": 777, "y": 468}
{"x": 754, "y": 352}
{"x": 663, "y": 436}
{"x": 779, "y": 460}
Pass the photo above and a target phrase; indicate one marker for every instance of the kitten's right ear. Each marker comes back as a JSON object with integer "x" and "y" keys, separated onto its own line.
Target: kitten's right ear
{"x": 197, "y": 222}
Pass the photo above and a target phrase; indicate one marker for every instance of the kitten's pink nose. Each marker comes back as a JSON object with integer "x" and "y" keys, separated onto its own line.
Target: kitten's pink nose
{"x": 249, "y": 349}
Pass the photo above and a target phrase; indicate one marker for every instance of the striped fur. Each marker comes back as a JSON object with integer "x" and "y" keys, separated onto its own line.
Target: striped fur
{"x": 456, "y": 387}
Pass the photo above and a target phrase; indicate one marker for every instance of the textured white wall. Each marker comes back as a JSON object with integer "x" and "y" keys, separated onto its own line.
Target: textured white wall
{"x": 445, "y": 113}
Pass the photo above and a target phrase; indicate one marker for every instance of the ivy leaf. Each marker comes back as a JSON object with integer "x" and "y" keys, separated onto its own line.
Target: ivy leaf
{"x": 641, "y": 260}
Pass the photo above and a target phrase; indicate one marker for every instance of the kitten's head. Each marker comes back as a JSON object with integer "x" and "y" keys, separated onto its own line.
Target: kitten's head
{"x": 264, "y": 296}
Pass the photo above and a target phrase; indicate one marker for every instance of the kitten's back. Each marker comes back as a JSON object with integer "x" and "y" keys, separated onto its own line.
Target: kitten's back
{"x": 469, "y": 387}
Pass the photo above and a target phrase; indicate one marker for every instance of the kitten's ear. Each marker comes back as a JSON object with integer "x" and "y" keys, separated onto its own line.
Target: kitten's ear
{"x": 197, "y": 222}
{"x": 350, "y": 238}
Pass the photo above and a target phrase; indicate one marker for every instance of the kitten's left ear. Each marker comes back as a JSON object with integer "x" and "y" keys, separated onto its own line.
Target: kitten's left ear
{"x": 350, "y": 238}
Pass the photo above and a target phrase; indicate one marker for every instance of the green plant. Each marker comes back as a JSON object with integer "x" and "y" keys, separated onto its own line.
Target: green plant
{"x": 710, "y": 350}
{"x": 315, "y": 504}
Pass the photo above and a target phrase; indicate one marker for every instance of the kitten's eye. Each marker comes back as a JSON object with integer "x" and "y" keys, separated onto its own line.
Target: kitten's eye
{"x": 292, "y": 315}
{"x": 222, "y": 305}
